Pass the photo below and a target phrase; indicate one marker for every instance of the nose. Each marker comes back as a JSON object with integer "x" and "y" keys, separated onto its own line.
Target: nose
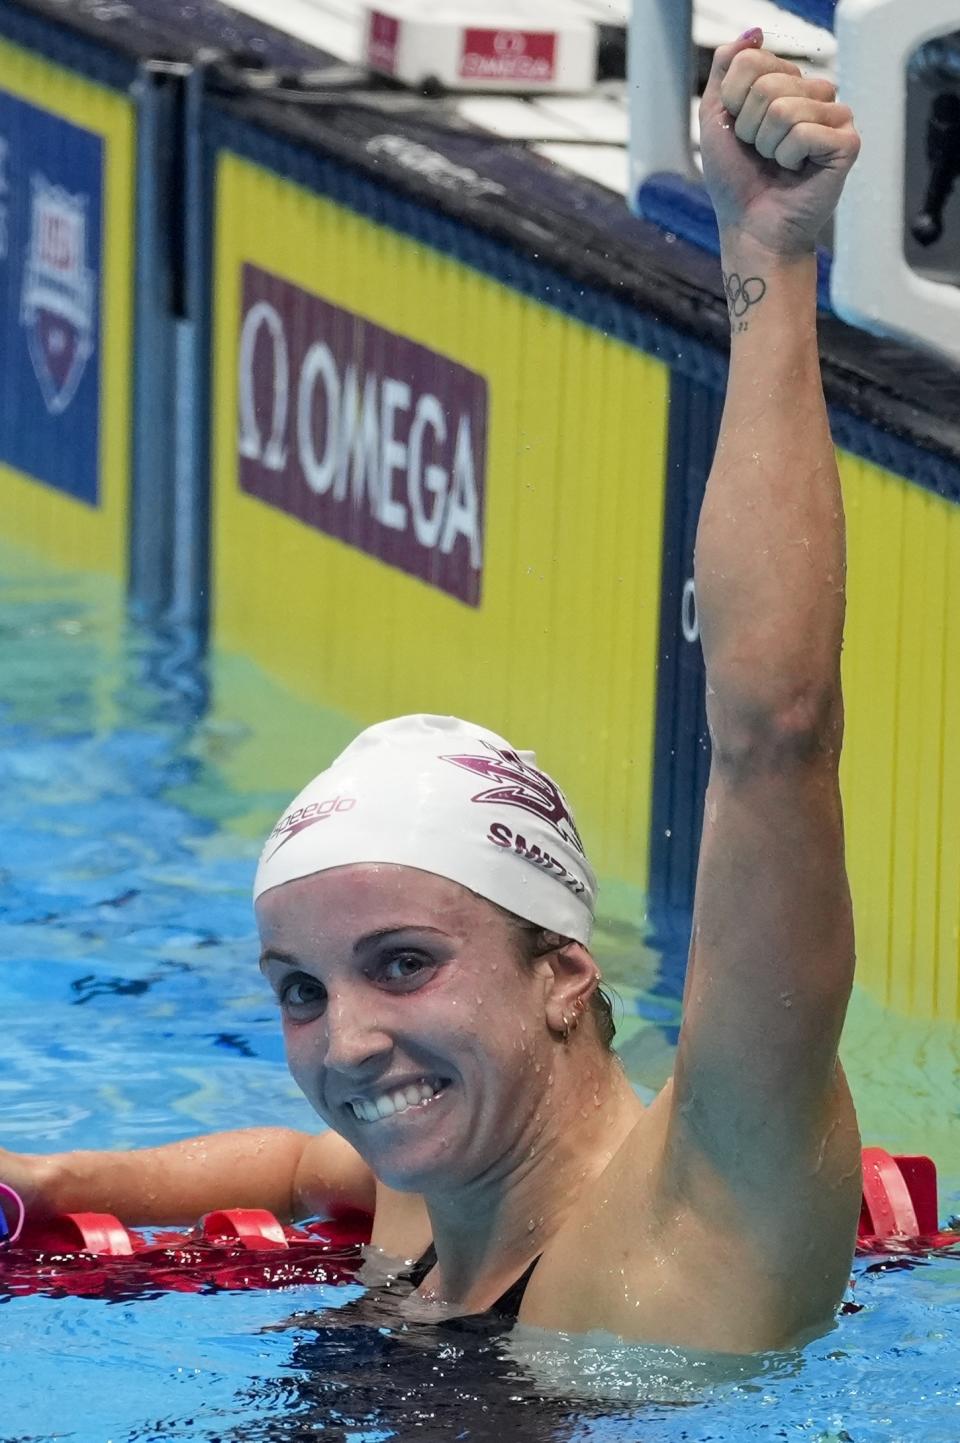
{"x": 357, "y": 1043}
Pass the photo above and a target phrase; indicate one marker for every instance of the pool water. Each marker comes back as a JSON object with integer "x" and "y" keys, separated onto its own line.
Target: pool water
{"x": 133, "y": 788}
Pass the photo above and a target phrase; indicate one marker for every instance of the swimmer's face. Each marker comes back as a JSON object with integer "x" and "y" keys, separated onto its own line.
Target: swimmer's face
{"x": 403, "y": 998}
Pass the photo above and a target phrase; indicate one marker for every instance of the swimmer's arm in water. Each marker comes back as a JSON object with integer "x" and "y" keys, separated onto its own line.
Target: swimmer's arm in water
{"x": 291, "y": 1174}
{"x": 761, "y": 1141}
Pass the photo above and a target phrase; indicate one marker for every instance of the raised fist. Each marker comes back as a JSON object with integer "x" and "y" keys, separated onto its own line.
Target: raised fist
{"x": 776, "y": 147}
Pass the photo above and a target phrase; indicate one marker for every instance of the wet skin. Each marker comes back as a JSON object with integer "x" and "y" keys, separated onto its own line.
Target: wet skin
{"x": 386, "y": 977}
{"x": 534, "y": 1147}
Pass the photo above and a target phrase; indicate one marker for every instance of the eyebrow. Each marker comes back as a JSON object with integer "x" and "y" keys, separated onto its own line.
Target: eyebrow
{"x": 287, "y": 959}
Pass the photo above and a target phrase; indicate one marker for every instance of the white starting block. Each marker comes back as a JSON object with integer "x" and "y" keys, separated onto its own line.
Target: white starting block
{"x": 520, "y": 46}
{"x": 877, "y": 282}
{"x": 873, "y": 286}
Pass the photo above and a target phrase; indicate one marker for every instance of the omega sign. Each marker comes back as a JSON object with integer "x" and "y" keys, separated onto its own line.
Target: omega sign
{"x": 362, "y": 433}
{"x": 522, "y": 55}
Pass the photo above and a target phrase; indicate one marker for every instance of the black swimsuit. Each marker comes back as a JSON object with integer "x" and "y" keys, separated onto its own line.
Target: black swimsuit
{"x": 505, "y": 1310}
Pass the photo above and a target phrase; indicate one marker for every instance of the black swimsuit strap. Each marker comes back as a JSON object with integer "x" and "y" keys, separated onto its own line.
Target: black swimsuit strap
{"x": 422, "y": 1266}
{"x": 506, "y": 1306}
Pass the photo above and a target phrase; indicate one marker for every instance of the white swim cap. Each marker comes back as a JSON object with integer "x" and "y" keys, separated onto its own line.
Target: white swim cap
{"x": 447, "y": 797}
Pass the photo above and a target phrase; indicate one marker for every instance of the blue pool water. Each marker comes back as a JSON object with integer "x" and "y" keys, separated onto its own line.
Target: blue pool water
{"x": 133, "y": 1013}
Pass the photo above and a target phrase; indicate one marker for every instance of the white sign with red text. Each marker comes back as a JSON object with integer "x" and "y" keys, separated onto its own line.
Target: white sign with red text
{"x": 467, "y": 45}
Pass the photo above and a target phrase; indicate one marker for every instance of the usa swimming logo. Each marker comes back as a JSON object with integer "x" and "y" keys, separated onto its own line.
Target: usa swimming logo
{"x": 57, "y": 300}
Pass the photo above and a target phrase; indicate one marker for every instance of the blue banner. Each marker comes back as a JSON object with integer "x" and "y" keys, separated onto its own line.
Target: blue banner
{"x": 51, "y": 200}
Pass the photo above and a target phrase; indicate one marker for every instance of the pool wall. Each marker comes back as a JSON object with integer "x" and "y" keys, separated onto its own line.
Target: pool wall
{"x": 560, "y": 507}
{"x": 451, "y": 416}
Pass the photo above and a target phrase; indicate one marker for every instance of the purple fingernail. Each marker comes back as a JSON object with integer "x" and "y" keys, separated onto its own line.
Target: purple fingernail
{"x": 755, "y": 34}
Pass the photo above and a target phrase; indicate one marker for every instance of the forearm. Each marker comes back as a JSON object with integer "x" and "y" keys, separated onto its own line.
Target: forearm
{"x": 770, "y": 545}
{"x": 177, "y": 1183}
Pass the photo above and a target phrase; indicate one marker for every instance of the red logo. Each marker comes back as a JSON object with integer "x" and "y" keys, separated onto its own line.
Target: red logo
{"x": 293, "y": 823}
{"x": 383, "y": 40}
{"x": 520, "y": 785}
{"x": 509, "y": 55}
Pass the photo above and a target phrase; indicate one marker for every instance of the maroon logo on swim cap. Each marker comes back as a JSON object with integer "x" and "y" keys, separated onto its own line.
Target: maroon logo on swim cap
{"x": 291, "y": 824}
{"x": 521, "y": 785}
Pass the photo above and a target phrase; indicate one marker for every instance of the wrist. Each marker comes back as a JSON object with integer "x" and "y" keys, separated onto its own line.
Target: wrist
{"x": 741, "y": 247}
{"x": 768, "y": 291}
{"x": 47, "y": 1185}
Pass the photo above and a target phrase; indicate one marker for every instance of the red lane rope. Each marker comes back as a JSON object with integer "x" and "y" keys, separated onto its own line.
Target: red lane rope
{"x": 90, "y": 1254}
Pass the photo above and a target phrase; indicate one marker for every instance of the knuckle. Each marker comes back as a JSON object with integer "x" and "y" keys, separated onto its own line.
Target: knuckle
{"x": 769, "y": 85}
{"x": 744, "y": 61}
{"x": 783, "y": 71}
{"x": 781, "y": 108}
{"x": 822, "y": 89}
{"x": 747, "y": 66}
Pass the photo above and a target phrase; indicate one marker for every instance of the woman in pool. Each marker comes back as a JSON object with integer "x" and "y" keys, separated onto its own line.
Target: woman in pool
{"x": 425, "y": 911}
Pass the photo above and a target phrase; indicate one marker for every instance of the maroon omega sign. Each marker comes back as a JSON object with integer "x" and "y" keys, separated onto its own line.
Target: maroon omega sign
{"x": 363, "y": 434}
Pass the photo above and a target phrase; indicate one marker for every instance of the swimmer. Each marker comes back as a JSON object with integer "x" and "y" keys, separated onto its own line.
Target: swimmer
{"x": 425, "y": 908}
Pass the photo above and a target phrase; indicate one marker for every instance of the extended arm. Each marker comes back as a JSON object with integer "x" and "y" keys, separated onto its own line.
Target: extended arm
{"x": 291, "y": 1174}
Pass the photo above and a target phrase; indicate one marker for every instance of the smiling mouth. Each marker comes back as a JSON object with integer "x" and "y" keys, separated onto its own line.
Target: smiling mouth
{"x": 399, "y": 1099}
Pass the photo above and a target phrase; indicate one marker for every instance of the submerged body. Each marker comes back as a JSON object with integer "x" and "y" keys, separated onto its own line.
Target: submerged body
{"x": 438, "y": 995}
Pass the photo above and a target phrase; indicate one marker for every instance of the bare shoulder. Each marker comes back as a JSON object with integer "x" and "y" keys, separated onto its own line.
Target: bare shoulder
{"x": 586, "y": 1276}
{"x": 700, "y": 1271}
{"x": 332, "y": 1176}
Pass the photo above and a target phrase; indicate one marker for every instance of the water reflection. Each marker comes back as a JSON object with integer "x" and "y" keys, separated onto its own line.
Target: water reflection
{"x": 363, "y": 1372}
{"x": 366, "y": 1372}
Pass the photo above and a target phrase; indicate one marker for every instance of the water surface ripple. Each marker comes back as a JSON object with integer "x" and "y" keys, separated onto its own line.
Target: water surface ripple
{"x": 134, "y": 1014}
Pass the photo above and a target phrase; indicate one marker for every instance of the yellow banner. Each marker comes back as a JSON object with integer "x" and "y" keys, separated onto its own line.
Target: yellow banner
{"x": 428, "y": 495}
{"x": 901, "y": 766}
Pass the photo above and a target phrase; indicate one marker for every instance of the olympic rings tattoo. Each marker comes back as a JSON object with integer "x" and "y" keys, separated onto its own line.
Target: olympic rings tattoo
{"x": 742, "y": 294}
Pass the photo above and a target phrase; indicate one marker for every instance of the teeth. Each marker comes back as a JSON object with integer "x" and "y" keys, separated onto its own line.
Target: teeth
{"x": 415, "y": 1094}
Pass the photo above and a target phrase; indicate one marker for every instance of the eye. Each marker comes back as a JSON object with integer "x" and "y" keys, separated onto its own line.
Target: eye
{"x": 406, "y": 967}
{"x": 299, "y": 993}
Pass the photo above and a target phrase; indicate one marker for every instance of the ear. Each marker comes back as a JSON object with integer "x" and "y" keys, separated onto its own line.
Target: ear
{"x": 570, "y": 979}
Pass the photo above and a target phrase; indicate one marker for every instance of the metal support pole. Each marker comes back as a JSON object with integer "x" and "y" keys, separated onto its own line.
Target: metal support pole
{"x": 660, "y": 81}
